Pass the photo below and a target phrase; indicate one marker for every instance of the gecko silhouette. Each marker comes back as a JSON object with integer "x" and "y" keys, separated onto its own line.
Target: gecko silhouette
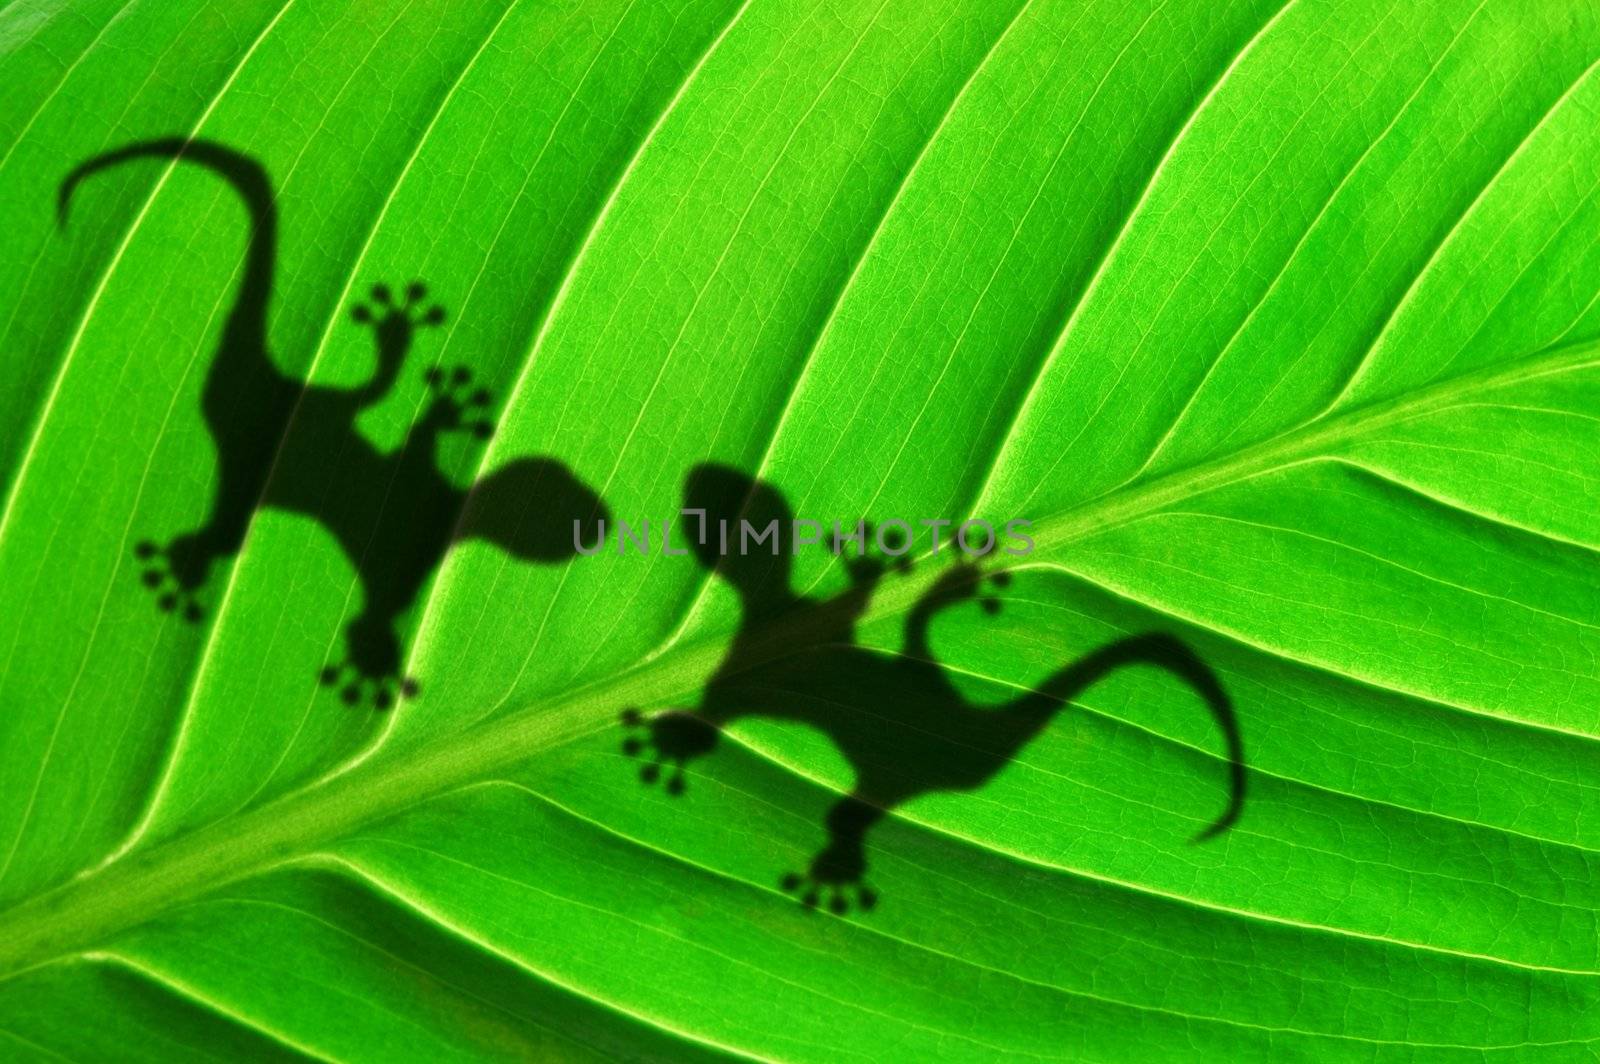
{"x": 287, "y": 444}
{"x": 904, "y": 727}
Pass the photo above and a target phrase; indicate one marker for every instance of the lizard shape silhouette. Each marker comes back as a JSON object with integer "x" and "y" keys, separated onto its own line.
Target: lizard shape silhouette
{"x": 797, "y": 658}
{"x": 288, "y": 444}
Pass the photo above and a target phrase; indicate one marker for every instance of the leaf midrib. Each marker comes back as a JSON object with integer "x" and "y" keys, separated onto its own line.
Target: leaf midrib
{"x": 86, "y": 910}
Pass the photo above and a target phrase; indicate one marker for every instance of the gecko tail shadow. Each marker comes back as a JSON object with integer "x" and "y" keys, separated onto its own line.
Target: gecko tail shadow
{"x": 1023, "y": 718}
{"x": 1174, "y": 656}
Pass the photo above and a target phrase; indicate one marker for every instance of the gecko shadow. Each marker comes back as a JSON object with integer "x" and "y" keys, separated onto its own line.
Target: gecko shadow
{"x": 903, "y": 726}
{"x": 284, "y": 443}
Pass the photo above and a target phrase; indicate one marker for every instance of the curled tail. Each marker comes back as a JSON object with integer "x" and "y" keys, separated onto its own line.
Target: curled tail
{"x": 243, "y": 174}
{"x": 1034, "y": 711}
{"x": 1173, "y": 655}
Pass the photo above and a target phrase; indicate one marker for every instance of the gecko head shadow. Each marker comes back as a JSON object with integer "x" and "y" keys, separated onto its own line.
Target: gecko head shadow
{"x": 898, "y": 719}
{"x": 283, "y": 442}
{"x": 723, "y": 495}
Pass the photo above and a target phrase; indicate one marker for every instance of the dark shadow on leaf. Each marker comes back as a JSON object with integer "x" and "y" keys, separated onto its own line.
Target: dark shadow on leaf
{"x": 797, "y": 658}
{"x": 285, "y": 443}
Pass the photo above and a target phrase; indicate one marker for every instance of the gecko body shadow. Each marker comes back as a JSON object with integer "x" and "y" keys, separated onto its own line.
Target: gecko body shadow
{"x": 901, "y": 723}
{"x": 286, "y": 443}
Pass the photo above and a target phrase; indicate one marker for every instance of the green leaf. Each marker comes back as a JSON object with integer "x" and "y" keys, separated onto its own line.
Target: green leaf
{"x": 1281, "y": 323}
